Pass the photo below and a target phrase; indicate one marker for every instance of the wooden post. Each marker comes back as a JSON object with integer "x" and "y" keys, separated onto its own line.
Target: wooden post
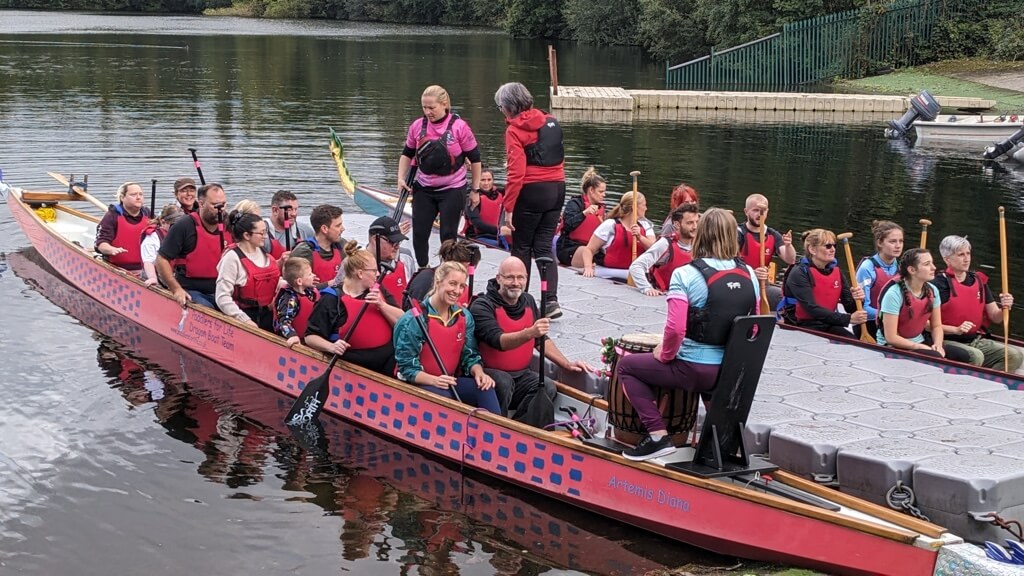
{"x": 553, "y": 69}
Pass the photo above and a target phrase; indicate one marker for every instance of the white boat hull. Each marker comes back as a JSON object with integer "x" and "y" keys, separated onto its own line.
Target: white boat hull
{"x": 968, "y": 128}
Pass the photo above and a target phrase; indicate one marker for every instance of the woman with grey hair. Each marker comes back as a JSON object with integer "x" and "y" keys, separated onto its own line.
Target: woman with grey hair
{"x": 534, "y": 181}
{"x": 966, "y": 302}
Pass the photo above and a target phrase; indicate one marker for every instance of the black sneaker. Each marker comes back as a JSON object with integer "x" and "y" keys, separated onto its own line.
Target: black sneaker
{"x": 552, "y": 310}
{"x": 649, "y": 448}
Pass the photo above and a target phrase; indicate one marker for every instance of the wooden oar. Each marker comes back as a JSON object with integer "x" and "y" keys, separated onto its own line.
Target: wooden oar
{"x": 634, "y": 174}
{"x": 925, "y": 223}
{"x": 766, "y": 308}
{"x": 845, "y": 238}
{"x": 310, "y": 403}
{"x": 1006, "y": 288}
{"x": 76, "y": 190}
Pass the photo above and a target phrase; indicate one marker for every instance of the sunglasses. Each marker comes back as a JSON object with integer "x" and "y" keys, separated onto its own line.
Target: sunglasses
{"x": 829, "y": 246}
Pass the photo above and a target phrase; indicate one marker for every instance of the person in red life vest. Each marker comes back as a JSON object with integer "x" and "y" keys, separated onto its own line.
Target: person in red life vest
{"x": 246, "y": 206}
{"x": 153, "y": 236}
{"x": 119, "y": 233}
{"x": 875, "y": 271}
{"x": 652, "y": 270}
{"x": 325, "y": 249}
{"x": 461, "y": 251}
{"x": 508, "y": 325}
{"x": 968, "y": 305}
{"x": 185, "y": 194}
{"x": 385, "y": 240}
{"x": 483, "y": 212}
{"x": 775, "y": 243}
{"x": 284, "y": 229}
{"x": 910, "y": 313}
{"x": 611, "y": 244}
{"x": 817, "y": 286}
{"x": 581, "y": 216}
{"x": 681, "y": 194}
{"x": 704, "y": 297}
{"x": 451, "y": 328}
{"x": 294, "y": 302}
{"x": 195, "y": 245}
{"x": 247, "y": 276}
{"x": 438, "y": 144}
{"x": 370, "y": 345}
{"x": 534, "y": 181}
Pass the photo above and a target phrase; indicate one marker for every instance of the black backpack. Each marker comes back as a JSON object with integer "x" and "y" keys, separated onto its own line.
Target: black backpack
{"x": 432, "y": 156}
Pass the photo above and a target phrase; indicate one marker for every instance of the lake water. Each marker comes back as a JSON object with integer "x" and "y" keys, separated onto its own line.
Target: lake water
{"x": 122, "y": 454}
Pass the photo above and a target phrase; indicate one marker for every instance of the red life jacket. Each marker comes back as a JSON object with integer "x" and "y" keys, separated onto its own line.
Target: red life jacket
{"x": 582, "y": 233}
{"x": 301, "y": 320}
{"x": 517, "y": 358}
{"x": 881, "y": 279}
{"x": 128, "y": 236}
{"x": 201, "y": 263}
{"x": 966, "y": 303}
{"x": 490, "y": 209}
{"x": 394, "y": 282}
{"x": 276, "y": 249}
{"x": 449, "y": 341}
{"x": 827, "y": 289}
{"x": 750, "y": 251}
{"x": 325, "y": 270}
{"x": 661, "y": 274}
{"x": 151, "y": 229}
{"x": 619, "y": 252}
{"x": 914, "y": 312}
{"x": 260, "y": 284}
{"x": 373, "y": 330}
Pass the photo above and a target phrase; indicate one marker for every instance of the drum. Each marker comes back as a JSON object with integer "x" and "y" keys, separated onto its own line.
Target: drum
{"x": 678, "y": 407}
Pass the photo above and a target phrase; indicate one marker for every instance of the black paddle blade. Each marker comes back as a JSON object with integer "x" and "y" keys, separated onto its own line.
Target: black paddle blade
{"x": 310, "y": 403}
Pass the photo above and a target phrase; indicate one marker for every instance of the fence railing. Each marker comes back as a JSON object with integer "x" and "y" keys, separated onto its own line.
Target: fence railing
{"x": 845, "y": 44}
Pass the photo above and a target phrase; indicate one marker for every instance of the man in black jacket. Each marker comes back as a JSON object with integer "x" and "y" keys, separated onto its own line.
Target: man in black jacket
{"x": 508, "y": 326}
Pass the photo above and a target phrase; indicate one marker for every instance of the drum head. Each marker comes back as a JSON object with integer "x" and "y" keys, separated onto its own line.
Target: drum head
{"x": 640, "y": 341}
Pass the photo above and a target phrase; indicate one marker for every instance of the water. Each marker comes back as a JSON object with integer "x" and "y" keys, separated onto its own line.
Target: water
{"x": 121, "y": 454}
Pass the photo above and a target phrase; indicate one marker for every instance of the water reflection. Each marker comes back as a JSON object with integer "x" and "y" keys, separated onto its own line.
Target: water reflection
{"x": 396, "y": 505}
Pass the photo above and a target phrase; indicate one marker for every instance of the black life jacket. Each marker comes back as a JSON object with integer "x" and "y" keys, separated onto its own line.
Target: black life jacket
{"x": 730, "y": 294}
{"x": 548, "y": 150}
{"x": 433, "y": 156}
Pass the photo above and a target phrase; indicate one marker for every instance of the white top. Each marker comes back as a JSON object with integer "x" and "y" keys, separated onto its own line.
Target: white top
{"x": 150, "y": 246}
{"x": 231, "y": 273}
{"x": 657, "y": 254}
{"x": 688, "y": 283}
{"x": 606, "y": 230}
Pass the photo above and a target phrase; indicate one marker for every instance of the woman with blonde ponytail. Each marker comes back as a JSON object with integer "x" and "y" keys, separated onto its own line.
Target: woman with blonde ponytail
{"x": 581, "y": 216}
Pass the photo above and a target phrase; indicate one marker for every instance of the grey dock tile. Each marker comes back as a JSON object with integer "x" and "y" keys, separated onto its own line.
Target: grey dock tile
{"x": 782, "y": 383}
{"x": 1014, "y": 450}
{"x": 900, "y": 368}
{"x": 1011, "y": 422}
{"x": 795, "y": 338}
{"x": 843, "y": 352}
{"x": 1010, "y": 398}
{"x": 835, "y": 374}
{"x": 961, "y": 383}
{"x": 896, "y": 419}
{"x": 963, "y": 407}
{"x": 763, "y": 416}
{"x": 967, "y": 436}
{"x": 834, "y": 401}
{"x": 869, "y": 468}
{"x": 906, "y": 392}
{"x": 788, "y": 360}
{"x": 809, "y": 447}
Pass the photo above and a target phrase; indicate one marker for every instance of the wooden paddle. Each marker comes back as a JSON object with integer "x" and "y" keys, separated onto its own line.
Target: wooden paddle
{"x": 634, "y": 174}
{"x": 80, "y": 191}
{"x": 925, "y": 223}
{"x": 1006, "y": 288}
{"x": 310, "y": 403}
{"x": 845, "y": 238}
{"x": 766, "y": 308}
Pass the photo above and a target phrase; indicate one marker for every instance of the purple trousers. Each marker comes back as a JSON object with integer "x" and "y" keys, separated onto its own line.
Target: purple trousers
{"x": 639, "y": 374}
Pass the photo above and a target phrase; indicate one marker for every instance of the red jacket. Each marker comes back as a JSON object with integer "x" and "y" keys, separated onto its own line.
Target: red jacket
{"x": 521, "y": 132}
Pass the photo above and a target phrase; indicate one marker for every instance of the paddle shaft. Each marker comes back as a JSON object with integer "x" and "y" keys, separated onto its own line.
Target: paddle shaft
{"x": 199, "y": 169}
{"x": 542, "y": 264}
{"x": 864, "y": 336}
{"x": 1006, "y": 288}
{"x": 403, "y": 196}
{"x": 924, "y": 232}
{"x": 433, "y": 349}
{"x": 765, "y": 306}
{"x": 76, "y": 190}
{"x": 152, "y": 200}
{"x": 636, "y": 220}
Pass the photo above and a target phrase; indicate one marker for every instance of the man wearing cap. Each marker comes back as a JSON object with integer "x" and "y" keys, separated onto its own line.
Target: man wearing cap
{"x": 284, "y": 230}
{"x": 195, "y": 244}
{"x": 385, "y": 236}
{"x": 185, "y": 193}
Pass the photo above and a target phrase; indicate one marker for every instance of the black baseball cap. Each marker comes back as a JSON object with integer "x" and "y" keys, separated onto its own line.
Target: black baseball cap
{"x": 388, "y": 228}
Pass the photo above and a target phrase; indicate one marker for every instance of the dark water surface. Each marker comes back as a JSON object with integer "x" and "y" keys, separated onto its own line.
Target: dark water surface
{"x": 122, "y": 454}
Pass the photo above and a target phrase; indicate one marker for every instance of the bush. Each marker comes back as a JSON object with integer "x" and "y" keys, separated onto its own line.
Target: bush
{"x": 533, "y": 18}
{"x": 602, "y": 21}
{"x": 669, "y": 32}
{"x": 1006, "y": 38}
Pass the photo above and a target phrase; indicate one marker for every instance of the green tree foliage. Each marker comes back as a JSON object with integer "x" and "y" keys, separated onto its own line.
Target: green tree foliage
{"x": 602, "y": 21}
{"x": 669, "y": 30}
{"x": 533, "y": 18}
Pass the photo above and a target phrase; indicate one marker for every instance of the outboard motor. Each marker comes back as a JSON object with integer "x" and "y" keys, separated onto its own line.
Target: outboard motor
{"x": 993, "y": 152}
{"x": 923, "y": 105}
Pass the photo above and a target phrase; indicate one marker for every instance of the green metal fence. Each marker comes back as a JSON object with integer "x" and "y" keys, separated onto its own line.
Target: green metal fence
{"x": 845, "y": 44}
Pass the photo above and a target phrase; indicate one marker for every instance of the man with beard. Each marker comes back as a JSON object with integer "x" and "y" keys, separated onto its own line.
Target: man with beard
{"x": 775, "y": 244}
{"x": 195, "y": 245}
{"x": 508, "y": 325}
{"x": 656, "y": 264}
{"x": 284, "y": 230}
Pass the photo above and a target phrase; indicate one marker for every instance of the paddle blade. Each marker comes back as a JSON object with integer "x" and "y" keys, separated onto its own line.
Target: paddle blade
{"x": 310, "y": 403}
{"x": 866, "y": 337}
{"x": 338, "y": 152}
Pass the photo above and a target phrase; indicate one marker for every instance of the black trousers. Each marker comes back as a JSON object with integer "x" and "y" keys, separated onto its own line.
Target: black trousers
{"x": 535, "y": 218}
{"x": 427, "y": 203}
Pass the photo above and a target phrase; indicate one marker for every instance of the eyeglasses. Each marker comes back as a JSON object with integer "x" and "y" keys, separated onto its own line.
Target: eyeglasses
{"x": 264, "y": 233}
{"x": 368, "y": 269}
{"x": 514, "y": 278}
{"x": 829, "y": 246}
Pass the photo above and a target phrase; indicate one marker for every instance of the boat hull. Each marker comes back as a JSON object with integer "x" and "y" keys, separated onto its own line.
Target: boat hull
{"x": 712, "y": 514}
{"x": 967, "y": 128}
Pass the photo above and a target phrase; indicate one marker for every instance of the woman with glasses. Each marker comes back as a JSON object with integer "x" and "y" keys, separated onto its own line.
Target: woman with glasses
{"x": 247, "y": 276}
{"x": 330, "y": 326}
{"x": 814, "y": 287}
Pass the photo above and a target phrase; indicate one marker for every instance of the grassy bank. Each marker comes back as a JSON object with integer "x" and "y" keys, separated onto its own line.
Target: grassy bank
{"x": 950, "y": 78}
